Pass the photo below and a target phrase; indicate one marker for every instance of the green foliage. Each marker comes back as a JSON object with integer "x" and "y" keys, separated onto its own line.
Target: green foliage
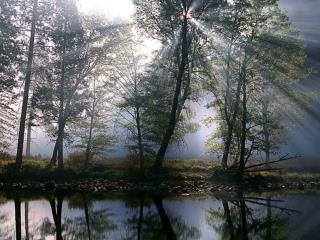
{"x": 258, "y": 47}
{"x": 10, "y": 58}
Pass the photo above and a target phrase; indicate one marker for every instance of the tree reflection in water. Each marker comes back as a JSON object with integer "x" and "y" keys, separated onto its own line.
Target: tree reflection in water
{"x": 150, "y": 223}
{"x": 79, "y": 216}
{"x": 92, "y": 224}
{"x": 249, "y": 218}
{"x": 47, "y": 228}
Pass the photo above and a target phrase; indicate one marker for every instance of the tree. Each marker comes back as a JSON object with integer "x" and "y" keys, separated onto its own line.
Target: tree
{"x": 158, "y": 88}
{"x": 127, "y": 82}
{"x": 170, "y": 22}
{"x": 143, "y": 95}
{"x": 82, "y": 49}
{"x": 10, "y": 57}
{"x": 255, "y": 33}
{"x": 92, "y": 133}
{"x": 26, "y": 86}
{"x": 68, "y": 38}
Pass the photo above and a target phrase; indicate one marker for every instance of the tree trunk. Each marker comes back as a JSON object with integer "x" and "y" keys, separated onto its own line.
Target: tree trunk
{"x": 266, "y": 131}
{"x": 175, "y": 103}
{"x": 167, "y": 227}
{"x": 26, "y": 87}
{"x": 61, "y": 120}
{"x": 53, "y": 160}
{"x": 227, "y": 145}
{"x": 139, "y": 138}
{"x": 88, "y": 150}
{"x": 231, "y": 122}
{"x": 243, "y": 126}
{"x": 60, "y": 149}
{"x": 26, "y": 219}
{"x": 28, "y": 147}
{"x": 17, "y": 210}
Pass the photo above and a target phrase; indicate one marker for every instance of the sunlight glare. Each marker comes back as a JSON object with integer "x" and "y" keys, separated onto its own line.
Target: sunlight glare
{"x": 112, "y": 9}
{"x": 209, "y": 33}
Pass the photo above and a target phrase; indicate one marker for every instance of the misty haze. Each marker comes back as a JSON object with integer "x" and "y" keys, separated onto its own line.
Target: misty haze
{"x": 159, "y": 119}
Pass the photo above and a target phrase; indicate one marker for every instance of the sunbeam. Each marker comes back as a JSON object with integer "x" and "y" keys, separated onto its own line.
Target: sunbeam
{"x": 102, "y": 99}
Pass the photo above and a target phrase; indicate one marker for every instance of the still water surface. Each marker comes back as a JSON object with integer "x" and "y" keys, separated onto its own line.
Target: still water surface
{"x": 81, "y": 216}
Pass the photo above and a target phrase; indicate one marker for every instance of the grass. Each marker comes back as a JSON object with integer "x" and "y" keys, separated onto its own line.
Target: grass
{"x": 128, "y": 170}
{"x": 112, "y": 169}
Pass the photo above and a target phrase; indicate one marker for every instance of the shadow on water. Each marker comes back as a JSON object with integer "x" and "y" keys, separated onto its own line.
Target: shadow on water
{"x": 82, "y": 216}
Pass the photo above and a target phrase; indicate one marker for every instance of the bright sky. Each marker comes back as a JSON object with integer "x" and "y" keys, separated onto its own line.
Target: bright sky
{"x": 117, "y": 10}
{"x": 112, "y": 9}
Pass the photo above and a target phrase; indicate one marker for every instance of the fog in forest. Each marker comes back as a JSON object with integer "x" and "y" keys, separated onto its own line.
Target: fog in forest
{"x": 302, "y": 138}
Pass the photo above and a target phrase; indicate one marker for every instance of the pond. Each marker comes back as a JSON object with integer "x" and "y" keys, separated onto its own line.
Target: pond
{"x": 82, "y": 216}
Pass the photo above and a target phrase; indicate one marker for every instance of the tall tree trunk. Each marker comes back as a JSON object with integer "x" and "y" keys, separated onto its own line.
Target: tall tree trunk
{"x": 140, "y": 218}
{"x": 138, "y": 122}
{"x": 88, "y": 150}
{"x": 230, "y": 125}
{"x": 266, "y": 131}
{"x": 175, "y": 103}
{"x": 26, "y": 219}
{"x": 61, "y": 120}
{"x": 243, "y": 126}
{"x": 17, "y": 210}
{"x": 164, "y": 219}
{"x": 28, "y": 147}
{"x": 60, "y": 149}
{"x": 26, "y": 87}
{"x": 228, "y": 104}
{"x": 53, "y": 160}
{"x": 227, "y": 108}
{"x": 227, "y": 145}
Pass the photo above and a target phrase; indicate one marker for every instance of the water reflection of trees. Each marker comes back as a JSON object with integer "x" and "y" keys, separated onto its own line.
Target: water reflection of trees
{"x": 4, "y": 231}
{"x": 148, "y": 218}
{"x": 48, "y": 228}
{"x": 89, "y": 224}
{"x": 92, "y": 224}
{"x": 146, "y": 223}
{"x": 249, "y": 218}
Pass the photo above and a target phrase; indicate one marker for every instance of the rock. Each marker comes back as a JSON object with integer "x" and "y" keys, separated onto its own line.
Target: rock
{"x": 300, "y": 186}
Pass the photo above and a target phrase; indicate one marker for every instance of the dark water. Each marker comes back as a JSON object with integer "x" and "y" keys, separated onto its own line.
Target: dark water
{"x": 80, "y": 216}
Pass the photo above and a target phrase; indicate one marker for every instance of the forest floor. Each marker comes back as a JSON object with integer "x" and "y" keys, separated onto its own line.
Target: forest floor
{"x": 123, "y": 175}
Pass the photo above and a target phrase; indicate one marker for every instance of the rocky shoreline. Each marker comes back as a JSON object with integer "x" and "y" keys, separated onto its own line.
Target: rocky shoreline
{"x": 176, "y": 187}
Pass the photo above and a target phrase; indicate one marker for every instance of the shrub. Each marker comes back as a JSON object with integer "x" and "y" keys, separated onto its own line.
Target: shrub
{"x": 6, "y": 156}
{"x": 76, "y": 159}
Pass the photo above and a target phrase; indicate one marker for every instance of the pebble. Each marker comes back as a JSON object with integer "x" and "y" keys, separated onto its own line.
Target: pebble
{"x": 183, "y": 187}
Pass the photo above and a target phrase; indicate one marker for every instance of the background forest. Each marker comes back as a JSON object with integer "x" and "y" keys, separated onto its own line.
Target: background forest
{"x": 91, "y": 83}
